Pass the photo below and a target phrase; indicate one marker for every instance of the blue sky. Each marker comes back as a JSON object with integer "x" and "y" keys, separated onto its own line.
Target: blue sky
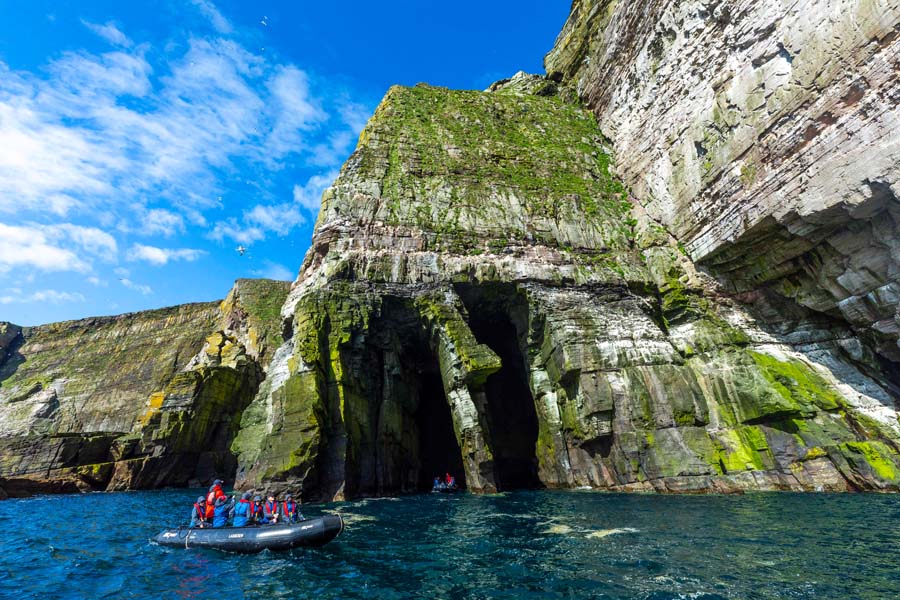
{"x": 142, "y": 142}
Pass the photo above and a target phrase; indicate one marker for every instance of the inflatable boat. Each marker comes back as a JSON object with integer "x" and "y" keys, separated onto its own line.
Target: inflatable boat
{"x": 256, "y": 538}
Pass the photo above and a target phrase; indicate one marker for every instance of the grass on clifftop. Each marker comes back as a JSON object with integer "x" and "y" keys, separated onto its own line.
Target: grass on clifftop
{"x": 449, "y": 159}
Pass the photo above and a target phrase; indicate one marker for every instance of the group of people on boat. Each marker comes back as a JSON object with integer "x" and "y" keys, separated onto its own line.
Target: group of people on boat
{"x": 448, "y": 482}
{"x": 217, "y": 509}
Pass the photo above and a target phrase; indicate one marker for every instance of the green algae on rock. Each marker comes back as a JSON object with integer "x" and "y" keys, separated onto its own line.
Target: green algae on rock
{"x": 134, "y": 401}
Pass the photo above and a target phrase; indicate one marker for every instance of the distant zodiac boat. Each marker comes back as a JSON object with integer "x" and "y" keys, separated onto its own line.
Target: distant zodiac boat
{"x": 311, "y": 532}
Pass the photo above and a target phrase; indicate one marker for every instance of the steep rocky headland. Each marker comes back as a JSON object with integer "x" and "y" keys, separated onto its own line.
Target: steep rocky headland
{"x": 140, "y": 400}
{"x": 670, "y": 264}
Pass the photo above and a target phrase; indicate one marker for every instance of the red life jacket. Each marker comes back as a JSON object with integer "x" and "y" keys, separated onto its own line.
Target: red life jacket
{"x": 272, "y": 508}
{"x": 201, "y": 512}
{"x": 256, "y": 509}
{"x": 213, "y": 495}
{"x": 289, "y": 513}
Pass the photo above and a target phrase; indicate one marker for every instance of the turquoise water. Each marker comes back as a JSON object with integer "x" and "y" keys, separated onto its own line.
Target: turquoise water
{"x": 517, "y": 545}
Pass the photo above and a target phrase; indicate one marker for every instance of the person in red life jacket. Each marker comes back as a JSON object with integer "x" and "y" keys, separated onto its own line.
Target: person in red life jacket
{"x": 256, "y": 509}
{"x": 290, "y": 510}
{"x": 242, "y": 513}
{"x": 447, "y": 478}
{"x": 215, "y": 492}
{"x": 198, "y": 513}
{"x": 270, "y": 511}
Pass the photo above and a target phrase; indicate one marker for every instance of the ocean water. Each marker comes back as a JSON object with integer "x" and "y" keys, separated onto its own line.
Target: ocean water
{"x": 516, "y": 545}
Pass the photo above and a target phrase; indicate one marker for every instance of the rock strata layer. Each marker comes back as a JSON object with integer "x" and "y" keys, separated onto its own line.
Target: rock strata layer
{"x": 762, "y": 135}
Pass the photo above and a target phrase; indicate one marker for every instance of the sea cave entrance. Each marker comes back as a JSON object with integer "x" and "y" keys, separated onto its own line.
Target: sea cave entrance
{"x": 408, "y": 413}
{"x": 439, "y": 452}
{"x": 498, "y": 316}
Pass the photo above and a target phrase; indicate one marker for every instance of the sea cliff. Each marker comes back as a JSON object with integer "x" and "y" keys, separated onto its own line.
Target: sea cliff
{"x": 669, "y": 264}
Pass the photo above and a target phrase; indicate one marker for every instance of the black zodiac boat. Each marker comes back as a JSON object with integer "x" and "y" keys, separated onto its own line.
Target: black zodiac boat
{"x": 311, "y": 532}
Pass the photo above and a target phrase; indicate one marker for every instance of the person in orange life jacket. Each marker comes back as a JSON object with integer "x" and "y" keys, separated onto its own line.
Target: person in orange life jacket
{"x": 270, "y": 511}
{"x": 241, "y": 512}
{"x": 290, "y": 510}
{"x": 198, "y": 513}
{"x": 215, "y": 492}
{"x": 256, "y": 509}
{"x": 221, "y": 511}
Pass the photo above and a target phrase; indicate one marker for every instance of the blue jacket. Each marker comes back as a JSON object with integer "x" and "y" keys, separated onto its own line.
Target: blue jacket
{"x": 241, "y": 513}
{"x": 220, "y": 516}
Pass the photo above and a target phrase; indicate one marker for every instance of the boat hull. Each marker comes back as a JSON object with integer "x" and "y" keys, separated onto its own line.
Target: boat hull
{"x": 256, "y": 538}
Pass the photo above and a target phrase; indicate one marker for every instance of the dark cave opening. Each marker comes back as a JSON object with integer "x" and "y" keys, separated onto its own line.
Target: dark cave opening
{"x": 439, "y": 452}
{"x": 512, "y": 418}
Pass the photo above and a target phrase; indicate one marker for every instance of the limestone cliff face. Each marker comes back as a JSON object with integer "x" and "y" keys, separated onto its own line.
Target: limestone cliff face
{"x": 764, "y": 136}
{"x": 134, "y": 401}
{"x": 483, "y": 297}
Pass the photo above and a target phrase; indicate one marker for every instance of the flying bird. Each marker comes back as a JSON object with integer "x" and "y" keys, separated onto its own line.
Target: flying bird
{"x": 240, "y": 250}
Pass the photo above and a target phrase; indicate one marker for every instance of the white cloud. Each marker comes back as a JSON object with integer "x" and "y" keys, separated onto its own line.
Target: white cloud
{"x": 163, "y": 222}
{"x": 109, "y": 32}
{"x": 279, "y": 218}
{"x": 47, "y": 296}
{"x": 53, "y": 247}
{"x": 97, "y": 281}
{"x": 273, "y": 270}
{"x": 107, "y": 128}
{"x": 146, "y": 290}
{"x": 295, "y": 110}
{"x": 243, "y": 234}
{"x": 209, "y": 10}
{"x": 334, "y": 151}
{"x": 161, "y": 256}
{"x": 355, "y": 115}
{"x": 90, "y": 239}
{"x": 276, "y": 218}
{"x": 309, "y": 195}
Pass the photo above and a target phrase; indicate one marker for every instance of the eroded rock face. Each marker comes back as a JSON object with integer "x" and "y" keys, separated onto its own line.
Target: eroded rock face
{"x": 136, "y": 401}
{"x": 763, "y": 136}
{"x": 481, "y": 296}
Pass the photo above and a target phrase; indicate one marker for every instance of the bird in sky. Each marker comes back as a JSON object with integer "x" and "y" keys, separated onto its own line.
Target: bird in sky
{"x": 240, "y": 250}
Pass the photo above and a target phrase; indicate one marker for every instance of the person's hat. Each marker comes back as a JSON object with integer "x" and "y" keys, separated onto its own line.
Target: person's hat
{"x": 245, "y": 496}
{"x": 218, "y": 482}
{"x": 201, "y": 499}
{"x": 257, "y": 498}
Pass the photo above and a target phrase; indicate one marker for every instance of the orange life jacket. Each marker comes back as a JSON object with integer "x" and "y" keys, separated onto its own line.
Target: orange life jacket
{"x": 210, "y": 504}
